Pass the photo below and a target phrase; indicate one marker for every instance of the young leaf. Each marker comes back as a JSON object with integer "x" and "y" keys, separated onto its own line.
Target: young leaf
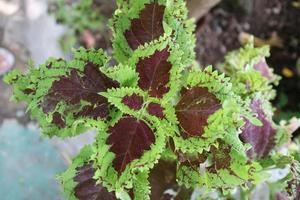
{"x": 194, "y": 108}
{"x": 262, "y": 138}
{"x": 154, "y": 73}
{"x": 249, "y": 71}
{"x": 147, "y": 27}
{"x": 129, "y": 138}
{"x": 87, "y": 188}
{"x": 263, "y": 68}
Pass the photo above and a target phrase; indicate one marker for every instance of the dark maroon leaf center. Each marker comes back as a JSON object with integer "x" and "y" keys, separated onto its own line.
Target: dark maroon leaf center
{"x": 155, "y": 109}
{"x": 154, "y": 73}
{"x": 129, "y": 138}
{"x": 147, "y": 27}
{"x": 194, "y": 108}
{"x": 80, "y": 86}
{"x": 134, "y": 101}
{"x": 220, "y": 157}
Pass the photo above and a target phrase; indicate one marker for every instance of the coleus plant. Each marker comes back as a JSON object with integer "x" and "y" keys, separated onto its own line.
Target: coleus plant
{"x": 164, "y": 125}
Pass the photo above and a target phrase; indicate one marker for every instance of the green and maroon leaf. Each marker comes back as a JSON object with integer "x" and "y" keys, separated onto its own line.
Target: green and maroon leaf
{"x": 293, "y": 185}
{"x": 262, "y": 138}
{"x": 129, "y": 138}
{"x": 133, "y": 101}
{"x": 147, "y": 27}
{"x": 194, "y": 109}
{"x": 193, "y": 161}
{"x": 78, "y": 87}
{"x": 154, "y": 73}
{"x": 220, "y": 157}
{"x": 156, "y": 110}
{"x": 86, "y": 188}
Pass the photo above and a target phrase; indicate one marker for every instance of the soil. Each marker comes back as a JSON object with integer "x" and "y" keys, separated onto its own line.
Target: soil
{"x": 218, "y": 32}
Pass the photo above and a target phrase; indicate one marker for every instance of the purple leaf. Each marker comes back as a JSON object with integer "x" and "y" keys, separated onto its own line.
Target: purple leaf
{"x": 134, "y": 101}
{"x": 194, "y": 108}
{"x": 263, "y": 68}
{"x": 155, "y": 109}
{"x": 154, "y": 73}
{"x": 262, "y": 138}
{"x": 79, "y": 86}
{"x": 86, "y": 189}
{"x": 147, "y": 27}
{"x": 129, "y": 138}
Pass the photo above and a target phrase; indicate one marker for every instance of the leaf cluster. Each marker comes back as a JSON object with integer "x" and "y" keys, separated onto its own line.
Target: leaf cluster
{"x": 157, "y": 114}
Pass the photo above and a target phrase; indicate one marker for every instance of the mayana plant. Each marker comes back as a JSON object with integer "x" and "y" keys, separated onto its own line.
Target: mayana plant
{"x": 166, "y": 128}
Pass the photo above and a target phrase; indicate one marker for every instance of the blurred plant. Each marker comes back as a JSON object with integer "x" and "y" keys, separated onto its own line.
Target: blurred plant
{"x": 164, "y": 125}
{"x": 87, "y": 21}
{"x": 283, "y": 98}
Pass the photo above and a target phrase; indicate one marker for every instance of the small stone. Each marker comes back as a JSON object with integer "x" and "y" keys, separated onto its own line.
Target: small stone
{"x": 8, "y": 8}
{"x": 246, "y": 26}
{"x": 20, "y": 113}
{"x": 287, "y": 72}
{"x": 276, "y": 10}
